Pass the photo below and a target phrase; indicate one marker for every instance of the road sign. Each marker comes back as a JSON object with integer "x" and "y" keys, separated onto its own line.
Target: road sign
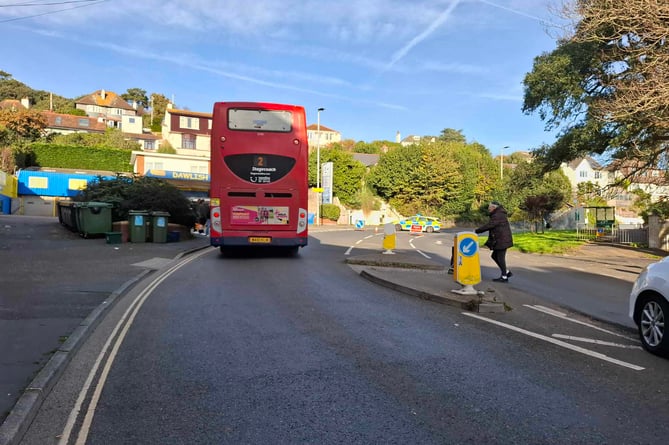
{"x": 359, "y": 224}
{"x": 416, "y": 228}
{"x": 466, "y": 265}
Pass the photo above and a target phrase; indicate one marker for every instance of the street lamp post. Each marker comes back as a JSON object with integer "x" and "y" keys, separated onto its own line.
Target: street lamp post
{"x": 501, "y": 162}
{"x": 318, "y": 166}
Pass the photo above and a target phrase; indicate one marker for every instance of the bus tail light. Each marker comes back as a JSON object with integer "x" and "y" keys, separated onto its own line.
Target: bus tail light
{"x": 216, "y": 220}
{"x": 301, "y": 220}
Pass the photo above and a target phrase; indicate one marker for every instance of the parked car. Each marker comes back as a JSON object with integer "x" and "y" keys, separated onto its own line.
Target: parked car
{"x": 429, "y": 224}
{"x": 649, "y": 307}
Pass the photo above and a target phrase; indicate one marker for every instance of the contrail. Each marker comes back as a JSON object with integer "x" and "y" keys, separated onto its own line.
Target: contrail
{"x": 515, "y": 11}
{"x": 422, "y": 36}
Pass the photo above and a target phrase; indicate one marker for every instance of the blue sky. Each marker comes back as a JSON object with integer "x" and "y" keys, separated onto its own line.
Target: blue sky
{"x": 376, "y": 66}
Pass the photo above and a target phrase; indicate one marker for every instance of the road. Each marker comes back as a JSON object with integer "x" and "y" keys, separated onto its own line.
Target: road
{"x": 303, "y": 350}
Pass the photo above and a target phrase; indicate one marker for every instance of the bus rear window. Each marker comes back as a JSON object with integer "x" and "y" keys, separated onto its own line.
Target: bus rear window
{"x": 260, "y": 120}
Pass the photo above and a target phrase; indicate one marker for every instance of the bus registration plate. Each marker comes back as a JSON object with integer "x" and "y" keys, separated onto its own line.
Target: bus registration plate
{"x": 260, "y": 239}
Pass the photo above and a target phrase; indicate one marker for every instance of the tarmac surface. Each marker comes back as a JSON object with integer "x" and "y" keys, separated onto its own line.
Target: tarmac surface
{"x": 53, "y": 281}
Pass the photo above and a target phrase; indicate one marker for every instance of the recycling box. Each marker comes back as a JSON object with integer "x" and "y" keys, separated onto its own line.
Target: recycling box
{"x": 466, "y": 262}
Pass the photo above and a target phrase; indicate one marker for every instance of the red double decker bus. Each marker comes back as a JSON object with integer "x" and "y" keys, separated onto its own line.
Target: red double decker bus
{"x": 259, "y": 175}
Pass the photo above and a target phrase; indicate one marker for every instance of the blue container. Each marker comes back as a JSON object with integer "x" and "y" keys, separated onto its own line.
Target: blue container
{"x": 310, "y": 218}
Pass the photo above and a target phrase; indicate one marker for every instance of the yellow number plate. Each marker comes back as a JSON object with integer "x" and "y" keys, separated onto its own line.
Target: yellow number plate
{"x": 260, "y": 239}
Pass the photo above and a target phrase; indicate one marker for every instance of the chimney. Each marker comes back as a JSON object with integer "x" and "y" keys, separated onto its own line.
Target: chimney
{"x": 25, "y": 102}
{"x": 398, "y": 138}
{"x": 103, "y": 94}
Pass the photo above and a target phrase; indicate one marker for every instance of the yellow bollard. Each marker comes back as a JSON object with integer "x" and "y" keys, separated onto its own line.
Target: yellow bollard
{"x": 389, "y": 238}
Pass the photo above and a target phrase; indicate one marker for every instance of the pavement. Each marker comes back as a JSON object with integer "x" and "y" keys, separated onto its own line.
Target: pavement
{"x": 55, "y": 286}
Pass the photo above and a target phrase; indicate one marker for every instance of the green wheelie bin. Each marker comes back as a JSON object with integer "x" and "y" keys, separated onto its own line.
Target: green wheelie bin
{"x": 94, "y": 218}
{"x": 159, "y": 222}
{"x": 137, "y": 222}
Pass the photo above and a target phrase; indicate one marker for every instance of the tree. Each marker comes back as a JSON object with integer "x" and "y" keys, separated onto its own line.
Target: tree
{"x": 451, "y": 135}
{"x": 606, "y": 86}
{"x": 375, "y": 147}
{"x": 546, "y": 192}
{"x": 158, "y": 106}
{"x": 24, "y": 124}
{"x": 347, "y": 174}
{"x": 111, "y": 138}
{"x": 148, "y": 193}
{"x": 538, "y": 207}
{"x": 137, "y": 95}
{"x": 421, "y": 178}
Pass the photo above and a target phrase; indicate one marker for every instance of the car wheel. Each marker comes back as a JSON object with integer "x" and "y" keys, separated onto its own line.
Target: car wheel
{"x": 652, "y": 329}
{"x": 429, "y": 229}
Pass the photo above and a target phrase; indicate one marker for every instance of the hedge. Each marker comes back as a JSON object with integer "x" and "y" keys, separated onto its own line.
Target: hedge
{"x": 85, "y": 158}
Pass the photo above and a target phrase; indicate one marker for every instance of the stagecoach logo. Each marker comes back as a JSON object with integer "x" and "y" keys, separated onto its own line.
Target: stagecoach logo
{"x": 260, "y": 169}
{"x": 258, "y": 124}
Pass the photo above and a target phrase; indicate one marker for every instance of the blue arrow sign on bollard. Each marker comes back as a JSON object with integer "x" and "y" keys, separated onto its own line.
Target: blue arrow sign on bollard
{"x": 359, "y": 224}
{"x": 468, "y": 247}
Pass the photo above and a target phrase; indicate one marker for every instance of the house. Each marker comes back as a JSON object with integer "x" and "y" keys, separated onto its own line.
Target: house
{"x": 189, "y": 132}
{"x": 587, "y": 169}
{"x": 112, "y": 109}
{"x": 15, "y": 104}
{"x": 652, "y": 181}
{"x": 188, "y": 173}
{"x": 413, "y": 139}
{"x": 68, "y": 124}
{"x": 327, "y": 136}
{"x": 58, "y": 123}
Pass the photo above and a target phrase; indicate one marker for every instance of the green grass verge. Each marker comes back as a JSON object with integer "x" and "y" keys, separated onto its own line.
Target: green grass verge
{"x": 550, "y": 242}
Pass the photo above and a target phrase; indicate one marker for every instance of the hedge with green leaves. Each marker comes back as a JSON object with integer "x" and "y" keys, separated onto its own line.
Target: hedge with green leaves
{"x": 85, "y": 158}
{"x": 330, "y": 211}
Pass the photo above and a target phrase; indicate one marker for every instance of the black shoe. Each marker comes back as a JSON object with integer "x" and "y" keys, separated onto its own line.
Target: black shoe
{"x": 450, "y": 271}
{"x": 509, "y": 274}
{"x": 501, "y": 280}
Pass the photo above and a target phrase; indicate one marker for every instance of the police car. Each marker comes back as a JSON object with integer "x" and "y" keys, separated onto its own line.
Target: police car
{"x": 427, "y": 223}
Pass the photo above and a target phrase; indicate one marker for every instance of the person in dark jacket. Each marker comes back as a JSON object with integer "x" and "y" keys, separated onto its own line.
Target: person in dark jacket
{"x": 499, "y": 238}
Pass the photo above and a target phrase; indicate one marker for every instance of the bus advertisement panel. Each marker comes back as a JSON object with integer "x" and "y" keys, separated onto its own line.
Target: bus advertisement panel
{"x": 259, "y": 175}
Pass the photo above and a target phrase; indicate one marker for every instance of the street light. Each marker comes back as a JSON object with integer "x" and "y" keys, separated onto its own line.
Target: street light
{"x": 501, "y": 162}
{"x": 318, "y": 166}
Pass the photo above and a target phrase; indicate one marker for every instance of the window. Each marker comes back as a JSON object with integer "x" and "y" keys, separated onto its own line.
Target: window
{"x": 260, "y": 120}
{"x": 59, "y": 120}
{"x": 583, "y": 174}
{"x": 155, "y": 165}
{"x": 131, "y": 120}
{"x": 188, "y": 141}
{"x": 149, "y": 145}
{"x": 189, "y": 122}
{"x": 83, "y": 122}
{"x": 598, "y": 175}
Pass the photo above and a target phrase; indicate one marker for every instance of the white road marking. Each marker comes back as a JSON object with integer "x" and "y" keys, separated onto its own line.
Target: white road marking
{"x": 595, "y": 341}
{"x": 563, "y": 316}
{"x": 558, "y": 343}
{"x": 419, "y": 251}
{"x": 348, "y": 251}
{"x": 426, "y": 256}
{"x": 359, "y": 241}
{"x": 123, "y": 325}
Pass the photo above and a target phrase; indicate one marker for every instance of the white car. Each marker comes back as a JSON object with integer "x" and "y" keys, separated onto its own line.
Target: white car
{"x": 649, "y": 307}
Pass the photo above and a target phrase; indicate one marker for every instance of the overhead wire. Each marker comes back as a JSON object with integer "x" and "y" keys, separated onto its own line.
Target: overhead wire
{"x": 88, "y": 3}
